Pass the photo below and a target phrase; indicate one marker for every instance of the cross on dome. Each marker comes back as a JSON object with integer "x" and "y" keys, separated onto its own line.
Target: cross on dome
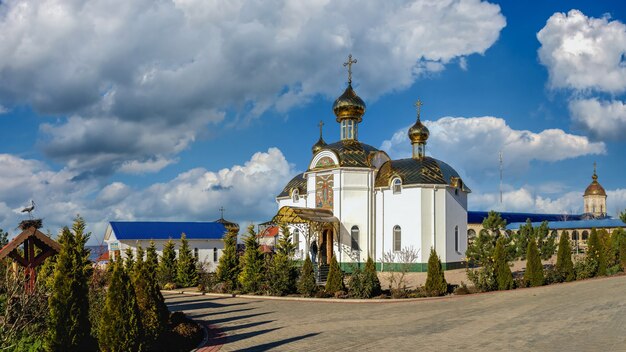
{"x": 349, "y": 64}
{"x": 418, "y": 105}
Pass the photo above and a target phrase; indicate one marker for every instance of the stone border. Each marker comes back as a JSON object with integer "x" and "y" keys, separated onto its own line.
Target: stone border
{"x": 371, "y": 300}
{"x": 211, "y": 332}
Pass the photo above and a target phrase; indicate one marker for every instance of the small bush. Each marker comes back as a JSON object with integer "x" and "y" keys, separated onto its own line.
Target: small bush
{"x": 462, "y": 289}
{"x": 585, "y": 268}
{"x": 341, "y": 294}
{"x": 186, "y": 330}
{"x": 436, "y": 284}
{"x": 170, "y": 286}
{"x": 334, "y": 282}
{"x": 306, "y": 283}
{"x": 534, "y": 269}
{"x": 614, "y": 270}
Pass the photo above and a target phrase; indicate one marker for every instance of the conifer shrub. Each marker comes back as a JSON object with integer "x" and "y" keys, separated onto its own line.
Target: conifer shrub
{"x": 533, "y": 276}
{"x": 564, "y": 265}
{"x": 120, "y": 328}
{"x": 251, "y": 276}
{"x": 130, "y": 259}
{"x": 69, "y": 326}
{"x": 355, "y": 283}
{"x": 334, "y": 282}
{"x": 436, "y": 284}
{"x": 186, "y": 269}
{"x": 228, "y": 267}
{"x": 622, "y": 250}
{"x": 152, "y": 309}
{"x": 585, "y": 268}
{"x": 283, "y": 271}
{"x": 504, "y": 277}
{"x": 168, "y": 265}
{"x": 595, "y": 253}
{"x": 371, "y": 283}
{"x": 306, "y": 283}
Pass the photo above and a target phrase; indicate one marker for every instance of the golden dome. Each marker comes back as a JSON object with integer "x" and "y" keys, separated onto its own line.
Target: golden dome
{"x": 318, "y": 146}
{"x": 595, "y": 189}
{"x": 418, "y": 133}
{"x": 349, "y": 106}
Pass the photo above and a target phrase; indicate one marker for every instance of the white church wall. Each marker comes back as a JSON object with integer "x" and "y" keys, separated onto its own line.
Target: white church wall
{"x": 456, "y": 215}
{"x": 353, "y": 207}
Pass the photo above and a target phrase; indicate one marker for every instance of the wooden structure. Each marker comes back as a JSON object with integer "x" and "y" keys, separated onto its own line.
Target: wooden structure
{"x": 30, "y": 259}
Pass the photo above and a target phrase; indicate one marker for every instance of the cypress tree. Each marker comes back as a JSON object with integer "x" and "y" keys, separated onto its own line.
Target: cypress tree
{"x": 534, "y": 269}
{"x": 130, "y": 260}
{"x": 564, "y": 264}
{"x": 595, "y": 253}
{"x": 306, "y": 283}
{"x": 371, "y": 283}
{"x": 283, "y": 272}
{"x": 69, "y": 325}
{"x": 523, "y": 235}
{"x": 152, "y": 309}
{"x": 187, "y": 270}
{"x": 167, "y": 267}
{"x": 251, "y": 275}
{"x": 504, "y": 277}
{"x": 622, "y": 249}
{"x": 334, "y": 282}
{"x": 228, "y": 267}
{"x": 436, "y": 284}
{"x": 120, "y": 326}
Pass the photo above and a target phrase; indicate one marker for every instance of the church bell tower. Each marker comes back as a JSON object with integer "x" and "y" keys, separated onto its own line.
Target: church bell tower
{"x": 349, "y": 108}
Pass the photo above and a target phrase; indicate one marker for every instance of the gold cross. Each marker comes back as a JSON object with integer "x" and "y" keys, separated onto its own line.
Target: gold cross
{"x": 321, "y": 124}
{"x": 349, "y": 64}
{"x": 418, "y": 105}
{"x": 594, "y": 167}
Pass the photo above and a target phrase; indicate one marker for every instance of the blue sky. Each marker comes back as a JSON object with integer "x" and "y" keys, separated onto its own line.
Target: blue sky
{"x": 168, "y": 110}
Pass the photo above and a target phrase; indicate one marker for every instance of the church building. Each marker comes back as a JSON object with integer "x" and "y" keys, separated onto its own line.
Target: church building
{"x": 355, "y": 202}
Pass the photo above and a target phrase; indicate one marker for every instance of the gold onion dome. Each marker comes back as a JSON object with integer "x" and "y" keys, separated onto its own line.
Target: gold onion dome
{"x": 318, "y": 146}
{"x": 595, "y": 189}
{"x": 349, "y": 106}
{"x": 418, "y": 133}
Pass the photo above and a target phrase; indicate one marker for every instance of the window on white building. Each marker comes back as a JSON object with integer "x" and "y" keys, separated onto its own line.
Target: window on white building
{"x": 354, "y": 232}
{"x": 397, "y": 186}
{"x": 456, "y": 239}
{"x": 296, "y": 239}
{"x": 214, "y": 254}
{"x": 397, "y": 238}
{"x": 295, "y": 195}
{"x": 195, "y": 253}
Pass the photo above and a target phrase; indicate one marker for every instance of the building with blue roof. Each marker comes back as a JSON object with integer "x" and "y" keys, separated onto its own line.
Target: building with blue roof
{"x": 205, "y": 238}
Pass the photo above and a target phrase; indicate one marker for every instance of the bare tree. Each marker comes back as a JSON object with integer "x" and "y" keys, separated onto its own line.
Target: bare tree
{"x": 400, "y": 264}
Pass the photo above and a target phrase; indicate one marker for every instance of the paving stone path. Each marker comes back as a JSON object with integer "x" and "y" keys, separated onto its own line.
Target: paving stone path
{"x": 581, "y": 316}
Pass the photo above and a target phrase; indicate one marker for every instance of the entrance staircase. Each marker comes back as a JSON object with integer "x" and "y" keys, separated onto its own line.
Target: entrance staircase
{"x": 322, "y": 274}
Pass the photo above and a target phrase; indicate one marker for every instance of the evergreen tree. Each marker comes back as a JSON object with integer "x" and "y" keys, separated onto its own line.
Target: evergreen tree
{"x": 69, "y": 327}
{"x": 252, "y": 264}
{"x": 521, "y": 238}
{"x": 371, "y": 283}
{"x": 504, "y": 277}
{"x": 167, "y": 267}
{"x": 564, "y": 264}
{"x": 130, "y": 260}
{"x": 546, "y": 241}
{"x": 4, "y": 238}
{"x": 436, "y": 284}
{"x": 622, "y": 216}
{"x": 187, "y": 270}
{"x": 622, "y": 248}
{"x": 306, "y": 283}
{"x": 153, "y": 312}
{"x": 533, "y": 275}
{"x": 494, "y": 223}
{"x": 283, "y": 272}
{"x": 139, "y": 260}
{"x": 228, "y": 267}
{"x": 334, "y": 282}
{"x": 120, "y": 327}
{"x": 596, "y": 253}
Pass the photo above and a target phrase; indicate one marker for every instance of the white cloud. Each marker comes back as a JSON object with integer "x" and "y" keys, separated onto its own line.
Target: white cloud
{"x": 176, "y": 66}
{"x": 527, "y": 199}
{"x": 603, "y": 119}
{"x": 584, "y": 53}
{"x": 3, "y": 110}
{"x": 246, "y": 191}
{"x": 471, "y": 145}
{"x": 140, "y": 167}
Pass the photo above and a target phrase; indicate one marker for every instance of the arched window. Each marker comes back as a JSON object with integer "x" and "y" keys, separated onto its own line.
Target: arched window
{"x": 575, "y": 235}
{"x": 296, "y": 239}
{"x": 214, "y": 254}
{"x": 585, "y": 235}
{"x": 295, "y": 195}
{"x": 195, "y": 253}
{"x": 397, "y": 238}
{"x": 397, "y": 186}
{"x": 354, "y": 233}
{"x": 456, "y": 239}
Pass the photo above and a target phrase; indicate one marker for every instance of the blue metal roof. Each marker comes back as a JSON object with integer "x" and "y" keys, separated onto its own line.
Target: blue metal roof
{"x": 477, "y": 217}
{"x": 574, "y": 224}
{"x": 156, "y": 230}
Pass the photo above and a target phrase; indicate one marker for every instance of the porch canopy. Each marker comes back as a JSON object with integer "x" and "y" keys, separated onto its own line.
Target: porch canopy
{"x": 295, "y": 215}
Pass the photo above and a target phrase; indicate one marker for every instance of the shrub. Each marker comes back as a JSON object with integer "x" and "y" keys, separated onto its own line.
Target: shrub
{"x": 355, "y": 283}
{"x": 228, "y": 267}
{"x": 596, "y": 253}
{"x": 371, "y": 283}
{"x": 186, "y": 270}
{"x": 462, "y": 289}
{"x": 69, "y": 325}
{"x": 168, "y": 264}
{"x": 585, "y": 268}
{"x": 252, "y": 271}
{"x": 436, "y": 284}
{"x": 334, "y": 282}
{"x": 533, "y": 276}
{"x": 504, "y": 277}
{"x": 283, "y": 272}
{"x": 564, "y": 265}
{"x": 306, "y": 283}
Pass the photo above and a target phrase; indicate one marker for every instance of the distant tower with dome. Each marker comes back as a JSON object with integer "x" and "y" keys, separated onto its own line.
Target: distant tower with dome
{"x": 355, "y": 202}
{"x": 595, "y": 198}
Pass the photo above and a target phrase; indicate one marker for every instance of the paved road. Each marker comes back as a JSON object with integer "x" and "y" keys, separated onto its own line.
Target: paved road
{"x": 580, "y": 316}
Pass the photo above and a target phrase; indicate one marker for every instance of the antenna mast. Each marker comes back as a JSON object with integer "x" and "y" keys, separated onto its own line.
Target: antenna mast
{"x": 500, "y": 176}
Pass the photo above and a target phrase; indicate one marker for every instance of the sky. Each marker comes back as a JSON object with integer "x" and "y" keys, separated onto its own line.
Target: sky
{"x": 169, "y": 110}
